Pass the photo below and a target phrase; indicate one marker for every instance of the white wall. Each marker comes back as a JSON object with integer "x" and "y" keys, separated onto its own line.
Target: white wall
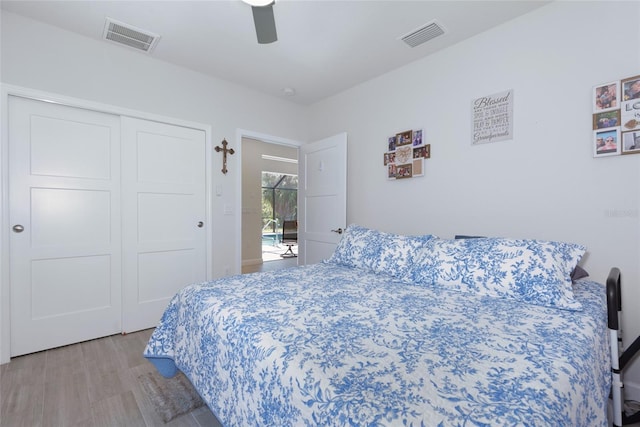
{"x": 545, "y": 182}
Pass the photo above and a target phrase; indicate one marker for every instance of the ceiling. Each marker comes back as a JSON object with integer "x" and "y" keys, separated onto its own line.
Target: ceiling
{"x": 323, "y": 47}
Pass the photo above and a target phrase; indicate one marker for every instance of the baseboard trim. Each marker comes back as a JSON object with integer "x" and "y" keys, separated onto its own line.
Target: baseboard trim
{"x": 255, "y": 261}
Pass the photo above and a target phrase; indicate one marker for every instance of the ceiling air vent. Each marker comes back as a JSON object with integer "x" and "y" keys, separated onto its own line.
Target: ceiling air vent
{"x": 423, "y": 34}
{"x": 128, "y": 35}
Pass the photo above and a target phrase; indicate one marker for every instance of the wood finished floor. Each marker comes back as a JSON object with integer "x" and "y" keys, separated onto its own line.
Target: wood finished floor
{"x": 270, "y": 265}
{"x": 94, "y": 383}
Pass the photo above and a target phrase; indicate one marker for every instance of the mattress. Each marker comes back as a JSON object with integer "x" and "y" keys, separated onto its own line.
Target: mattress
{"x": 330, "y": 345}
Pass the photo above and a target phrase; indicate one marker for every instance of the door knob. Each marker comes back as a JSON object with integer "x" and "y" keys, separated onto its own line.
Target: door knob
{"x": 200, "y": 224}
{"x": 18, "y": 228}
{"x": 339, "y": 231}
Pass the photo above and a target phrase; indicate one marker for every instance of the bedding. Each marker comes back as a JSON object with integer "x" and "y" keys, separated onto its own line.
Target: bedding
{"x": 533, "y": 271}
{"x": 577, "y": 273}
{"x": 335, "y": 345}
{"x": 380, "y": 252}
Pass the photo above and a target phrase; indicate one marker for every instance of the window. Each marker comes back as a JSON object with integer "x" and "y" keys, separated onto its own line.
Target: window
{"x": 279, "y": 200}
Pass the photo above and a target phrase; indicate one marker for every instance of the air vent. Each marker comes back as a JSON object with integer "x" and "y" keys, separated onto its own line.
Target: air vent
{"x": 423, "y": 34}
{"x": 128, "y": 35}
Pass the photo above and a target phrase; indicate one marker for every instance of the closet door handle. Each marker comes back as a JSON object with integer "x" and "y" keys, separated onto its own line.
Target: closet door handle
{"x": 339, "y": 231}
{"x": 18, "y": 228}
{"x": 200, "y": 224}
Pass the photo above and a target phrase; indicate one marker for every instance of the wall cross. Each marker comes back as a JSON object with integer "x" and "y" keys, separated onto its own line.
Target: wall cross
{"x": 224, "y": 150}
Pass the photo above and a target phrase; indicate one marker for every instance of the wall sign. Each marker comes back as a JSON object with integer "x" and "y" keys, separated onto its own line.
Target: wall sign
{"x": 492, "y": 118}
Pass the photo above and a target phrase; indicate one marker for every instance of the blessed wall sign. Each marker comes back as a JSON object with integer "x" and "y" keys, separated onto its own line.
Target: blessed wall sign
{"x": 492, "y": 118}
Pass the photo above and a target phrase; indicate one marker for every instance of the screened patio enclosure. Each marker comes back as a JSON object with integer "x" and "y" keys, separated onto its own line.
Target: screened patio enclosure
{"x": 279, "y": 203}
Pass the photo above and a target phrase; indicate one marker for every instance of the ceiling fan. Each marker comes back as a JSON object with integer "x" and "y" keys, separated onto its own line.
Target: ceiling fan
{"x": 263, "y": 19}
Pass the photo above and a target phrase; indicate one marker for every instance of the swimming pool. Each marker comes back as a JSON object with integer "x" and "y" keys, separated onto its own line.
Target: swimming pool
{"x": 272, "y": 238}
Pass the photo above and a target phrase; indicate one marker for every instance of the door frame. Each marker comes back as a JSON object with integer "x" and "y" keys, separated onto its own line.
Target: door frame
{"x": 6, "y": 91}
{"x": 267, "y": 139}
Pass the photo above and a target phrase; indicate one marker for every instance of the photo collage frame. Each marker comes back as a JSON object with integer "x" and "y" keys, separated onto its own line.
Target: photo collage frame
{"x": 405, "y": 155}
{"x": 616, "y": 117}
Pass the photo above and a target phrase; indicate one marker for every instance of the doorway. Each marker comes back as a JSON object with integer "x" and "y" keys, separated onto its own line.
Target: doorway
{"x": 279, "y": 208}
{"x": 322, "y": 205}
{"x": 269, "y": 198}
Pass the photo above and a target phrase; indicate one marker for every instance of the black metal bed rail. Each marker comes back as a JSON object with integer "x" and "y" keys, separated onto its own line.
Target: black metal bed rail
{"x": 618, "y": 361}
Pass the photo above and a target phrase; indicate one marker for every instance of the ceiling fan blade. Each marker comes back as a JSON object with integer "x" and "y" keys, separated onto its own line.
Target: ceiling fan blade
{"x": 265, "y": 23}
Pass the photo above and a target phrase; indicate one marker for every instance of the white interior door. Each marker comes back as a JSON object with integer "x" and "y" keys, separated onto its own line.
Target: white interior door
{"x": 322, "y": 197}
{"x": 163, "y": 211}
{"x": 64, "y": 196}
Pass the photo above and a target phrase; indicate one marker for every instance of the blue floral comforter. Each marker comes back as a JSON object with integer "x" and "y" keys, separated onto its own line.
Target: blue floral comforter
{"x": 329, "y": 345}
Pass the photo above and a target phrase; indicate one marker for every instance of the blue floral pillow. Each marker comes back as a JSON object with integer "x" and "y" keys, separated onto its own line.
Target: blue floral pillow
{"x": 377, "y": 251}
{"x": 533, "y": 271}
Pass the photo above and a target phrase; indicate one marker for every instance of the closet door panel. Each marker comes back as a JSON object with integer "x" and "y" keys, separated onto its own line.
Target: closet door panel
{"x": 86, "y": 278}
{"x": 81, "y": 150}
{"x": 168, "y": 219}
{"x": 169, "y": 159}
{"x": 65, "y": 246}
{"x": 70, "y": 217}
{"x": 161, "y": 271}
{"x": 164, "y": 230}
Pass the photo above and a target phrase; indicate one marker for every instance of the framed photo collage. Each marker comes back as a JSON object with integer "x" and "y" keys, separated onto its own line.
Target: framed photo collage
{"x": 405, "y": 154}
{"x": 616, "y": 117}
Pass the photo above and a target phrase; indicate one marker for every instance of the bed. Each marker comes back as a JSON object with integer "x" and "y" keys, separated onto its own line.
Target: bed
{"x": 398, "y": 330}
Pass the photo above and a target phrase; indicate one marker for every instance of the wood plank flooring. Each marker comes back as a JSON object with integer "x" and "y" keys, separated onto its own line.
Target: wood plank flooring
{"x": 94, "y": 383}
{"x": 270, "y": 265}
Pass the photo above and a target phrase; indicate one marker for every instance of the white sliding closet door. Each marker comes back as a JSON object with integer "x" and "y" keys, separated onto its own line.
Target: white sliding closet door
{"x": 65, "y": 248}
{"x": 163, "y": 212}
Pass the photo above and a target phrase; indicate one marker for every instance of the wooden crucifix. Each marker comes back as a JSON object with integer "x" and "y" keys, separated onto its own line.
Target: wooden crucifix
{"x": 224, "y": 150}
